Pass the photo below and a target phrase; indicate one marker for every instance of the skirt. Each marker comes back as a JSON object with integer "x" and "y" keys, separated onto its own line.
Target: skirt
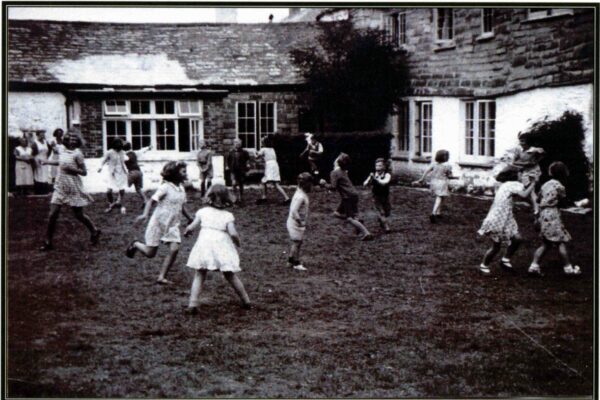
{"x": 271, "y": 172}
{"x": 295, "y": 231}
{"x": 23, "y": 174}
{"x": 214, "y": 251}
{"x": 439, "y": 187}
{"x": 117, "y": 181}
{"x": 551, "y": 226}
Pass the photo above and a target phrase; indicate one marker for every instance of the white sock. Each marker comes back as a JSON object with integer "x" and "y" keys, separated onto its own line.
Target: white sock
{"x": 504, "y": 259}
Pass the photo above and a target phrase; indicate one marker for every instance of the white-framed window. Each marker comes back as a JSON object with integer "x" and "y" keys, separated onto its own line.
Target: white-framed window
{"x": 444, "y": 24}
{"x": 189, "y": 107}
{"x": 155, "y": 123}
{"x": 487, "y": 21}
{"x": 541, "y": 13}
{"x": 423, "y": 128}
{"x": 480, "y": 129}
{"x": 74, "y": 113}
{"x": 255, "y": 120}
{"x": 115, "y": 107}
{"x": 402, "y": 126}
{"x": 395, "y": 28}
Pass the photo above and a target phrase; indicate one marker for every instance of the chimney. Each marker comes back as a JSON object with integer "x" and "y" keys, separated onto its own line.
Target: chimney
{"x": 226, "y": 15}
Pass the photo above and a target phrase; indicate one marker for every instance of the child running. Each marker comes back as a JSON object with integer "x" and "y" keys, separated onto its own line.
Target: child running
{"x": 135, "y": 176}
{"x": 169, "y": 199}
{"x": 314, "y": 152}
{"x": 204, "y": 160}
{"x": 68, "y": 189}
{"x": 297, "y": 218}
{"x": 117, "y": 175}
{"x": 380, "y": 181}
{"x": 527, "y": 159}
{"x": 440, "y": 172}
{"x": 215, "y": 248}
{"x": 552, "y": 230}
{"x": 267, "y": 153}
{"x": 348, "y": 209}
{"x": 237, "y": 165}
{"x": 500, "y": 224}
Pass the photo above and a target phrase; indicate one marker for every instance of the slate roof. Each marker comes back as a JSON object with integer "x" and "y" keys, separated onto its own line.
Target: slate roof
{"x": 155, "y": 54}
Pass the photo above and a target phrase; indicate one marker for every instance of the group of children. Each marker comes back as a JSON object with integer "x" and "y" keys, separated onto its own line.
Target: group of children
{"x": 215, "y": 248}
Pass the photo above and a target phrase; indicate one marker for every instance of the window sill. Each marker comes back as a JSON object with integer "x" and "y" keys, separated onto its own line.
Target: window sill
{"x": 484, "y": 37}
{"x": 545, "y": 17}
{"x": 421, "y": 159}
{"x": 444, "y": 45}
{"x": 401, "y": 157}
{"x": 476, "y": 164}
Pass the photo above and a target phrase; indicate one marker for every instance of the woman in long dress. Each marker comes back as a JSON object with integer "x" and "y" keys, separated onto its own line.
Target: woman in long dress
{"x": 41, "y": 173}
{"x": 23, "y": 166}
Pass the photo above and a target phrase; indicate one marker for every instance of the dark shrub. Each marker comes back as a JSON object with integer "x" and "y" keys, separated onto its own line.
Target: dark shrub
{"x": 563, "y": 140}
{"x": 13, "y": 142}
{"x": 362, "y": 147}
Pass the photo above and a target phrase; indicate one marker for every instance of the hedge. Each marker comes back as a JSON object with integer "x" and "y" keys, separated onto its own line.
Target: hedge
{"x": 362, "y": 147}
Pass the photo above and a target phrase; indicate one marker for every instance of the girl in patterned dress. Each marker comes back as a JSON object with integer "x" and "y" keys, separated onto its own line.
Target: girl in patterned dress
{"x": 552, "y": 230}
{"x": 117, "y": 175}
{"x": 169, "y": 199}
{"x": 527, "y": 159}
{"x": 500, "y": 224}
{"x": 268, "y": 154}
{"x": 215, "y": 248}
{"x": 440, "y": 172}
{"x": 68, "y": 189}
{"x": 23, "y": 167}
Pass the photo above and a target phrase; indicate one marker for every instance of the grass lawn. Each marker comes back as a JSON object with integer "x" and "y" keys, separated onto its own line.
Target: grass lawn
{"x": 407, "y": 315}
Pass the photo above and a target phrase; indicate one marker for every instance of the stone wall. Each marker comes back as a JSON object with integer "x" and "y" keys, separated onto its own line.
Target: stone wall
{"x": 27, "y": 110}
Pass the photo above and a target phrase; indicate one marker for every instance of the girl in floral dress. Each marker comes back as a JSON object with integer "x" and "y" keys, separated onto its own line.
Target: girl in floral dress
{"x": 440, "y": 172}
{"x": 552, "y": 230}
{"x": 68, "y": 189}
{"x": 215, "y": 249}
{"x": 169, "y": 199}
{"x": 500, "y": 224}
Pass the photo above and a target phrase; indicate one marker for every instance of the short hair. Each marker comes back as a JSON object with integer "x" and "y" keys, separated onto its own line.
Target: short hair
{"x": 304, "y": 179}
{"x": 218, "y": 196}
{"x": 442, "y": 156}
{"x": 170, "y": 171}
{"x": 117, "y": 144}
{"x": 268, "y": 141}
{"x": 58, "y": 132}
{"x": 509, "y": 173}
{"x": 74, "y": 134}
{"x": 558, "y": 170}
{"x": 126, "y": 146}
{"x": 344, "y": 161}
{"x": 385, "y": 163}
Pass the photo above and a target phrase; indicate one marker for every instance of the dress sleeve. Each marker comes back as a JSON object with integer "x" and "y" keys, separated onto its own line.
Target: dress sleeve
{"x": 160, "y": 193}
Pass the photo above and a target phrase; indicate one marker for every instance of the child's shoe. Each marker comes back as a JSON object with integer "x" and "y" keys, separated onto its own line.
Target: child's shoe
{"x": 191, "y": 310}
{"x": 130, "y": 252}
{"x": 534, "y": 270}
{"x": 484, "y": 269}
{"x": 572, "y": 270}
{"x": 506, "y": 265}
{"x": 261, "y": 201}
{"x": 432, "y": 219}
{"x": 123, "y": 210}
{"x": 95, "y": 238}
{"x": 247, "y": 306}
{"x": 299, "y": 267}
{"x": 339, "y": 215}
{"x": 286, "y": 202}
{"x": 367, "y": 237}
{"x": 47, "y": 246}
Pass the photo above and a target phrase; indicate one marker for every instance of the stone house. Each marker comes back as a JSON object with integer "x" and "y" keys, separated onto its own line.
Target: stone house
{"x": 164, "y": 85}
{"x": 479, "y": 76}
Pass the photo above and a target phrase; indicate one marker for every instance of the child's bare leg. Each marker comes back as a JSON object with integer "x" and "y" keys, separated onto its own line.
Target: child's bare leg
{"x": 109, "y": 196}
{"x": 280, "y": 189}
{"x": 148, "y": 251}
{"x": 564, "y": 254}
{"x": 237, "y": 284}
{"x": 539, "y": 253}
{"x": 295, "y": 250}
{"x": 168, "y": 262}
{"x": 197, "y": 286}
{"x": 491, "y": 253}
{"x": 264, "y": 196}
{"x": 437, "y": 205}
{"x": 140, "y": 193}
{"x": 513, "y": 246}
{"x": 84, "y": 219}
{"x": 52, "y": 219}
{"x": 359, "y": 226}
{"x": 534, "y": 202}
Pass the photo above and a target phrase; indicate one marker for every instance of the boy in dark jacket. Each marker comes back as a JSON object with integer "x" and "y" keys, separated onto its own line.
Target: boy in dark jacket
{"x": 237, "y": 164}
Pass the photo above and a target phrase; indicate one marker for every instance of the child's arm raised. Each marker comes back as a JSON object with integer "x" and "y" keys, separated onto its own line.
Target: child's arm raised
{"x": 525, "y": 193}
{"x": 233, "y": 233}
{"x": 369, "y": 179}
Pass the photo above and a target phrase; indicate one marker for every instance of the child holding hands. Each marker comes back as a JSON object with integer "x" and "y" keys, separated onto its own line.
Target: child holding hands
{"x": 169, "y": 200}
{"x": 215, "y": 248}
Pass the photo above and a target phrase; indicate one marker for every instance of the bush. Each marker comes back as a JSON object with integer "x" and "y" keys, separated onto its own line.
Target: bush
{"x": 362, "y": 147}
{"x": 563, "y": 140}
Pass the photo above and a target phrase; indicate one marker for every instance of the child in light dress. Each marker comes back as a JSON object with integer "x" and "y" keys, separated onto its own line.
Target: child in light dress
{"x": 380, "y": 182}
{"x": 297, "y": 218}
{"x": 163, "y": 226}
{"x": 23, "y": 166}
{"x": 500, "y": 224}
{"x": 552, "y": 231}
{"x": 440, "y": 173}
{"x": 267, "y": 153}
{"x": 68, "y": 189}
{"x": 215, "y": 248}
{"x": 117, "y": 175}
{"x": 41, "y": 171}
{"x": 56, "y": 146}
{"x": 527, "y": 159}
{"x": 348, "y": 208}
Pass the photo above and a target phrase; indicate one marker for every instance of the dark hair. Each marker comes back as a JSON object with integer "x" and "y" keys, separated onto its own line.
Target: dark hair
{"x": 268, "y": 141}
{"x": 76, "y": 135}
{"x": 170, "y": 171}
{"x": 442, "y": 156}
{"x": 559, "y": 171}
{"x": 386, "y": 164}
{"x": 126, "y": 146}
{"x": 58, "y": 131}
{"x": 344, "y": 161}
{"x": 304, "y": 179}
{"x": 509, "y": 173}
{"x": 218, "y": 196}
{"x": 117, "y": 144}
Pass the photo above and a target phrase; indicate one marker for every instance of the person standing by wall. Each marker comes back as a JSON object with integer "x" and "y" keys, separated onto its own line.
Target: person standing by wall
{"x": 40, "y": 151}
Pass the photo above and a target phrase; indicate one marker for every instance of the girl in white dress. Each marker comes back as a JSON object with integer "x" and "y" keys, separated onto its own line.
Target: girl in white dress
{"x": 117, "y": 175}
{"x": 169, "y": 199}
{"x": 41, "y": 173}
{"x": 23, "y": 168}
{"x": 267, "y": 153}
{"x": 440, "y": 173}
{"x": 215, "y": 248}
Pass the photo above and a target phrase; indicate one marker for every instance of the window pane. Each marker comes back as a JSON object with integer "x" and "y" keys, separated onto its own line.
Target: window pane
{"x": 165, "y": 135}
{"x": 195, "y": 107}
{"x": 184, "y": 107}
{"x": 140, "y": 107}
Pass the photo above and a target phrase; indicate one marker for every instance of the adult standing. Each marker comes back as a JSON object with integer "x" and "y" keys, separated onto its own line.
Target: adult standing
{"x": 41, "y": 174}
{"x": 23, "y": 166}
